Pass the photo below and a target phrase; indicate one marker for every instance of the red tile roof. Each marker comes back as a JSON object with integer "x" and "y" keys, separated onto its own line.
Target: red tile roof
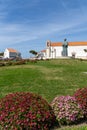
{"x": 12, "y": 50}
{"x": 43, "y": 51}
{"x": 77, "y": 43}
{"x": 69, "y": 43}
{"x": 56, "y": 43}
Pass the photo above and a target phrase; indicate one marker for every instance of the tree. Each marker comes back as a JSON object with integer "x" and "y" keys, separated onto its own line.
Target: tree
{"x": 33, "y": 52}
{"x": 1, "y": 53}
{"x": 85, "y": 50}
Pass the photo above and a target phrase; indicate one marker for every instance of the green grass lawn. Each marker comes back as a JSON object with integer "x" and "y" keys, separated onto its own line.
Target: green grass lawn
{"x": 47, "y": 78}
{"x": 80, "y": 127}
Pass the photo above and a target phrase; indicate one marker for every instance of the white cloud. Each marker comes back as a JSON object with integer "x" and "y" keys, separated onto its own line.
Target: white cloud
{"x": 16, "y": 33}
{"x": 11, "y": 33}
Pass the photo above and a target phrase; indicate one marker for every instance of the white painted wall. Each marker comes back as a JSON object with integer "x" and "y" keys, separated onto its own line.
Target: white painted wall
{"x": 55, "y": 52}
{"x": 6, "y": 53}
{"x": 48, "y": 52}
{"x": 79, "y": 50}
{"x": 58, "y": 51}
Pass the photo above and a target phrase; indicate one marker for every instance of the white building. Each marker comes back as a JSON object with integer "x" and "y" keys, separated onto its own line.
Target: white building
{"x": 55, "y": 49}
{"x": 42, "y": 54}
{"x": 11, "y": 53}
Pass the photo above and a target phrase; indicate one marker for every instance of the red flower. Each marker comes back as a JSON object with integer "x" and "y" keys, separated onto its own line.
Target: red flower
{"x": 25, "y": 111}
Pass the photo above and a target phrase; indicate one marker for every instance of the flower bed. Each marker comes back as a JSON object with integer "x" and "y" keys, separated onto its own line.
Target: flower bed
{"x": 81, "y": 97}
{"x": 25, "y": 111}
{"x": 66, "y": 110}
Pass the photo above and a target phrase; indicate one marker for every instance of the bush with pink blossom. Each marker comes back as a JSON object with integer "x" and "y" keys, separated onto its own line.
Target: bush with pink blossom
{"x": 66, "y": 109}
{"x": 25, "y": 111}
{"x": 81, "y": 97}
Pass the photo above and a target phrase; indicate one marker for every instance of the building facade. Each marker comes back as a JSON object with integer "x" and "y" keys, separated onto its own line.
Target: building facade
{"x": 66, "y": 49}
{"x": 11, "y": 53}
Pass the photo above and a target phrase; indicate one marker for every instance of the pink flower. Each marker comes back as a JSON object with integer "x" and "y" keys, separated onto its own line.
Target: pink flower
{"x": 66, "y": 109}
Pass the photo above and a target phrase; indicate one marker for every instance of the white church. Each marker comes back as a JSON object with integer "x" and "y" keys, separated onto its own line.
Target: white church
{"x": 65, "y": 49}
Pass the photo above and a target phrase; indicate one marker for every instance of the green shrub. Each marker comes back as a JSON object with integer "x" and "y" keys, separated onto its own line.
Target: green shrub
{"x": 2, "y": 64}
{"x": 19, "y": 62}
{"x": 9, "y": 63}
{"x": 81, "y": 97}
{"x": 66, "y": 110}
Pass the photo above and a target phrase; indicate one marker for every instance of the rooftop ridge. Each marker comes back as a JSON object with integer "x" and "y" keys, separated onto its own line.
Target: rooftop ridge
{"x": 77, "y": 43}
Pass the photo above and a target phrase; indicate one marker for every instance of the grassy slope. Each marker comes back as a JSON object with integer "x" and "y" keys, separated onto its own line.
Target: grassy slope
{"x": 80, "y": 127}
{"x": 47, "y": 78}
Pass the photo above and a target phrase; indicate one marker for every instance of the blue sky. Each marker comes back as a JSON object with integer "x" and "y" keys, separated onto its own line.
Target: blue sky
{"x": 28, "y": 24}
